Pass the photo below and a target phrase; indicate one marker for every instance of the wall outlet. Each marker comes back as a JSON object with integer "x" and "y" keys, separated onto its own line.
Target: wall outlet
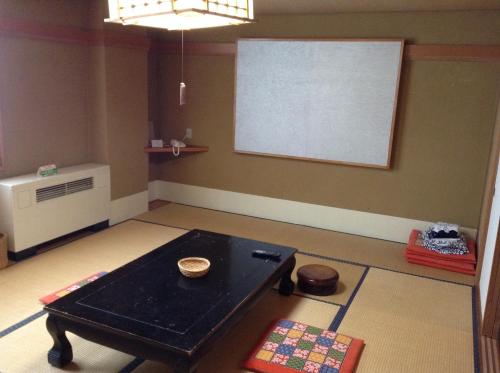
{"x": 189, "y": 133}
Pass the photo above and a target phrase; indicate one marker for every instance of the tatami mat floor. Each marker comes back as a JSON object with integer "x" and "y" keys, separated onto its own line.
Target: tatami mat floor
{"x": 413, "y": 319}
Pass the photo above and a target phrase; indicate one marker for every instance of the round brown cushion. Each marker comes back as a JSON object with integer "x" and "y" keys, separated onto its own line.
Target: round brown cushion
{"x": 317, "y": 279}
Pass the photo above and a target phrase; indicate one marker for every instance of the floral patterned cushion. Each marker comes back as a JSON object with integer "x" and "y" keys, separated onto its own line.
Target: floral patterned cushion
{"x": 290, "y": 347}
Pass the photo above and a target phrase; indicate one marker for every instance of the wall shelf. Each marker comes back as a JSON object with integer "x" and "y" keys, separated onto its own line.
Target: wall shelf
{"x": 187, "y": 149}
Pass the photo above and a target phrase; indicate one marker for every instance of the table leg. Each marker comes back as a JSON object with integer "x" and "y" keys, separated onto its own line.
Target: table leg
{"x": 183, "y": 366}
{"x": 286, "y": 283}
{"x": 61, "y": 353}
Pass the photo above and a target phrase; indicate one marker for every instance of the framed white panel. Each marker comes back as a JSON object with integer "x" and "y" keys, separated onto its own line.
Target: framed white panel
{"x": 322, "y": 100}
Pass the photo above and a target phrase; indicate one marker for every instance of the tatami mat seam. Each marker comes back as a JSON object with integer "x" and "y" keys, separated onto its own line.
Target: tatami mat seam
{"x": 132, "y": 365}
{"x": 163, "y": 225}
{"x": 337, "y": 320}
{"x": 345, "y": 261}
{"x": 315, "y": 299}
{"x": 21, "y": 323}
{"x": 475, "y": 334}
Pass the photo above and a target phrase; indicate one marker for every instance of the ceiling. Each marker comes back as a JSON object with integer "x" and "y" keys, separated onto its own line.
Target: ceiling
{"x": 263, "y": 7}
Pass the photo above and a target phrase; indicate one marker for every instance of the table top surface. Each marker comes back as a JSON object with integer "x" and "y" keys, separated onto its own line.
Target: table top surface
{"x": 150, "y": 299}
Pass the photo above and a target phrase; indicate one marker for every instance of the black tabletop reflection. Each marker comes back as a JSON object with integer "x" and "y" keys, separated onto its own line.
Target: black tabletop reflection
{"x": 149, "y": 297}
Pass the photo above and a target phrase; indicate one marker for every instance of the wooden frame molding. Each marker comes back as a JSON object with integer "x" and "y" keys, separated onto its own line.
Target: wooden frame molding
{"x": 491, "y": 319}
{"x": 489, "y": 191}
{"x": 22, "y": 28}
{"x": 387, "y": 165}
{"x": 118, "y": 39}
{"x": 196, "y": 49}
{"x": 472, "y": 53}
{"x": 491, "y": 323}
{"x": 412, "y": 52}
{"x": 28, "y": 29}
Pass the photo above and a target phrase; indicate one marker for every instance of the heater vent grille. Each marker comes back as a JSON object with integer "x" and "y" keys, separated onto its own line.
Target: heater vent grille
{"x": 61, "y": 190}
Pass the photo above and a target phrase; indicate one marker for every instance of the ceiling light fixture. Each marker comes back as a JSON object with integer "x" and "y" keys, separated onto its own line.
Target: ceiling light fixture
{"x": 180, "y": 14}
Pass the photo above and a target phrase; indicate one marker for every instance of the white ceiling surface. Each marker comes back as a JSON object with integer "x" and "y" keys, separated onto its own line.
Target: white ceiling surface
{"x": 263, "y": 7}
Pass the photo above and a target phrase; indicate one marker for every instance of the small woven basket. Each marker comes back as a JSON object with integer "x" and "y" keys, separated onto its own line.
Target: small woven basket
{"x": 194, "y": 266}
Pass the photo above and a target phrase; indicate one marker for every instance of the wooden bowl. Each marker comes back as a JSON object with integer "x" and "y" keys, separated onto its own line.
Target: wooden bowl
{"x": 317, "y": 279}
{"x": 193, "y": 266}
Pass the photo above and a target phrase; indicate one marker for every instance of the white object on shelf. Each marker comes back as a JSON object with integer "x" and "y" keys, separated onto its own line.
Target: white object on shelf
{"x": 157, "y": 143}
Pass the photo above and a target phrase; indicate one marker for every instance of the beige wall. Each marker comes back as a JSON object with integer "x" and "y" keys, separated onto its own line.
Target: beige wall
{"x": 445, "y": 119}
{"x": 70, "y": 103}
{"x": 43, "y": 104}
{"x": 127, "y": 116}
{"x": 119, "y": 108}
{"x": 58, "y": 12}
{"x": 97, "y": 106}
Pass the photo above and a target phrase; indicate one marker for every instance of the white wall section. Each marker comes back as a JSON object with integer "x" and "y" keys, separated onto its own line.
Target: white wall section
{"x": 128, "y": 207}
{"x": 489, "y": 247}
{"x": 366, "y": 224}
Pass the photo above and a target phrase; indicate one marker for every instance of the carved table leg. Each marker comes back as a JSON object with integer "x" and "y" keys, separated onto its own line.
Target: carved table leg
{"x": 286, "y": 284}
{"x": 61, "y": 353}
{"x": 183, "y": 366}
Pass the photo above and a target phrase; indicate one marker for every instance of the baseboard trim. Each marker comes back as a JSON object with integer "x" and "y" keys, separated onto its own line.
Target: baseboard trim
{"x": 17, "y": 256}
{"x": 390, "y": 228}
{"x": 128, "y": 207}
{"x": 153, "y": 188}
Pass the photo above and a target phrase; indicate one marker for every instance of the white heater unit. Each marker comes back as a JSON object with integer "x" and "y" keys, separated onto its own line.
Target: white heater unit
{"x": 34, "y": 209}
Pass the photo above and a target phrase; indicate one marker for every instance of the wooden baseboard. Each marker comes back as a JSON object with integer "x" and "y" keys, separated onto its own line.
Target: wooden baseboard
{"x": 385, "y": 227}
{"x": 478, "y": 327}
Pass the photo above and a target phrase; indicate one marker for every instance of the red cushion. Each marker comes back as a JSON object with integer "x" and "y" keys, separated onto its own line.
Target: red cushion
{"x": 467, "y": 269}
{"x": 70, "y": 288}
{"x": 416, "y": 249}
{"x": 290, "y": 347}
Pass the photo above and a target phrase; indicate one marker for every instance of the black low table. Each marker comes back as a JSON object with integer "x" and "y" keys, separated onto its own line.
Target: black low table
{"x": 148, "y": 309}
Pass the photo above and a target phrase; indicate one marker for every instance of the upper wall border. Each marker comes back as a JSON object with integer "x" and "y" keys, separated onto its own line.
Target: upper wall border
{"x": 412, "y": 52}
{"x": 28, "y": 29}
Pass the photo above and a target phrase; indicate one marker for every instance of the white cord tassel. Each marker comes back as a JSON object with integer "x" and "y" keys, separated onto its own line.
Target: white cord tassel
{"x": 182, "y": 94}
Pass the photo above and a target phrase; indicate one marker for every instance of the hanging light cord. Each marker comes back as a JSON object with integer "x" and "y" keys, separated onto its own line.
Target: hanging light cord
{"x": 182, "y": 56}
{"x": 182, "y": 86}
